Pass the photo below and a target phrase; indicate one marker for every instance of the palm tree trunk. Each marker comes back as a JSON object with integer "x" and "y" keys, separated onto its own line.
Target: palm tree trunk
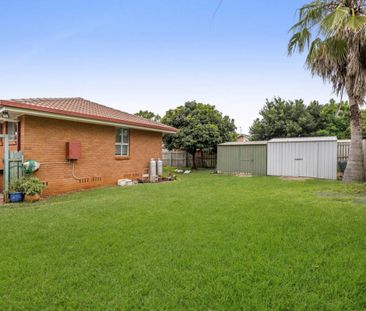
{"x": 355, "y": 167}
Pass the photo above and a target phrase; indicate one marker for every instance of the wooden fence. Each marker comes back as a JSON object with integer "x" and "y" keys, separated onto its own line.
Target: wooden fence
{"x": 181, "y": 158}
{"x": 343, "y": 147}
{"x": 176, "y": 158}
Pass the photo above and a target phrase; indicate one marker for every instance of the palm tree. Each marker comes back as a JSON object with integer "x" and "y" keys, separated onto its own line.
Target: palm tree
{"x": 334, "y": 35}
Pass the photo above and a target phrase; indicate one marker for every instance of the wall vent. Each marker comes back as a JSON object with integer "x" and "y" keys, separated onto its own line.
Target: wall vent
{"x": 83, "y": 180}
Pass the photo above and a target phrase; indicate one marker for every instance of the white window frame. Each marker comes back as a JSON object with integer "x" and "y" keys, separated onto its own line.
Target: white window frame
{"x": 122, "y": 143}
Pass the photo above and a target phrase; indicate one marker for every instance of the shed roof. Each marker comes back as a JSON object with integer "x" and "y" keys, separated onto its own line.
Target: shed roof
{"x": 302, "y": 139}
{"x": 261, "y": 142}
{"x": 85, "y": 109}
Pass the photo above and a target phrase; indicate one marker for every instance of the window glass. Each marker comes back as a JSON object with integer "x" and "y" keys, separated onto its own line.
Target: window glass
{"x": 125, "y": 136}
{"x": 118, "y": 135}
{"x": 118, "y": 150}
{"x": 122, "y": 140}
{"x": 12, "y": 130}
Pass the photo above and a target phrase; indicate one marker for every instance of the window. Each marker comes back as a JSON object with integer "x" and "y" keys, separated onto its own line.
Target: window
{"x": 12, "y": 131}
{"x": 122, "y": 142}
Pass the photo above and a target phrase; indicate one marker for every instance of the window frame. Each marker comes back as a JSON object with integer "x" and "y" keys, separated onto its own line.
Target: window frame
{"x": 122, "y": 143}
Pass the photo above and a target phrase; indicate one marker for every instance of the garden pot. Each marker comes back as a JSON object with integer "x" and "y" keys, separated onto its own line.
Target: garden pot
{"x": 15, "y": 197}
{"x": 32, "y": 197}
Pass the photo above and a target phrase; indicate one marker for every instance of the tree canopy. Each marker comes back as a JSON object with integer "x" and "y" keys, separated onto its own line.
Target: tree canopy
{"x": 292, "y": 118}
{"x": 148, "y": 115}
{"x": 201, "y": 126}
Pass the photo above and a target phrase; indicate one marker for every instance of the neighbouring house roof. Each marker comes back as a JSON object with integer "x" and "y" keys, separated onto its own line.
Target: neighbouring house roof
{"x": 242, "y": 138}
{"x": 84, "y": 109}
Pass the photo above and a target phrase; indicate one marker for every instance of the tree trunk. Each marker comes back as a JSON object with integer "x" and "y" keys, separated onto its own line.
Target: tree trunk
{"x": 355, "y": 167}
{"x": 194, "y": 160}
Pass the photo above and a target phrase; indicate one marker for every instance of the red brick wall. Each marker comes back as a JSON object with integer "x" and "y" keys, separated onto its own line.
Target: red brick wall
{"x": 44, "y": 140}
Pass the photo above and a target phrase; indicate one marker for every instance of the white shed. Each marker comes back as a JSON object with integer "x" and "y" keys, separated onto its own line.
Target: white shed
{"x": 303, "y": 157}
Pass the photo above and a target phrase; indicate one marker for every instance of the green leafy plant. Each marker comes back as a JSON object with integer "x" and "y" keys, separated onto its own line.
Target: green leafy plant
{"x": 31, "y": 186}
{"x": 16, "y": 186}
{"x": 201, "y": 127}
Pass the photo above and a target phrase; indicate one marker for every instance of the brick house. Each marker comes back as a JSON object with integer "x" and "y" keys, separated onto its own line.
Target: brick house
{"x": 113, "y": 144}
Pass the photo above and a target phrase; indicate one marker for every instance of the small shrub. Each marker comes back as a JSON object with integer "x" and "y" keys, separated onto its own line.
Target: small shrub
{"x": 31, "y": 186}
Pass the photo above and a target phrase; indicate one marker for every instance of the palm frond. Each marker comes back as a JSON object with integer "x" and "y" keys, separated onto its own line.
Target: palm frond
{"x": 309, "y": 15}
{"x": 338, "y": 52}
{"x": 335, "y": 21}
{"x": 356, "y": 22}
{"x": 299, "y": 41}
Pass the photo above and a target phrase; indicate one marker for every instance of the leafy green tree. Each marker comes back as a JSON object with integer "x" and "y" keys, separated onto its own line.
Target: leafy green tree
{"x": 148, "y": 115}
{"x": 280, "y": 118}
{"x": 334, "y": 34}
{"x": 334, "y": 120}
{"x": 200, "y": 126}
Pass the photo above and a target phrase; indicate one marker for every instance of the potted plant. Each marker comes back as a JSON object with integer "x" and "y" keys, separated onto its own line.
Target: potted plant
{"x": 16, "y": 191}
{"x": 32, "y": 188}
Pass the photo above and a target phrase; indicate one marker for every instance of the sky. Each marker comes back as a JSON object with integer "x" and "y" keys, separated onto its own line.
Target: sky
{"x": 155, "y": 54}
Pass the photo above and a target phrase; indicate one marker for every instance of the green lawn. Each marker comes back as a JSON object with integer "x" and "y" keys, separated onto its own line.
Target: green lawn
{"x": 205, "y": 242}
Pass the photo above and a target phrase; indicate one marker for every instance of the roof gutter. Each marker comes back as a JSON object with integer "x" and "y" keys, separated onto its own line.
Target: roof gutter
{"x": 65, "y": 117}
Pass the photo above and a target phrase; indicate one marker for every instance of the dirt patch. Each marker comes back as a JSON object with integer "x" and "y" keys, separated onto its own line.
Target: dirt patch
{"x": 331, "y": 194}
{"x": 294, "y": 178}
{"x": 360, "y": 200}
{"x": 243, "y": 175}
{"x": 343, "y": 197}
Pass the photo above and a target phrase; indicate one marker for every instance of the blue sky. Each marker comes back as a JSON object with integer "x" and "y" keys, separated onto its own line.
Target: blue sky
{"x": 154, "y": 54}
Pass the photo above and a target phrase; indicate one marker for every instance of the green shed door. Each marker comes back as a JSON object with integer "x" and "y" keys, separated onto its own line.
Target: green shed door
{"x": 253, "y": 159}
{"x": 260, "y": 160}
{"x": 246, "y": 158}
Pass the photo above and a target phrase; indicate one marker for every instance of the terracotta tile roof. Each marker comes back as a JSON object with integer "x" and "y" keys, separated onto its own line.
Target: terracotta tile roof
{"x": 79, "y": 107}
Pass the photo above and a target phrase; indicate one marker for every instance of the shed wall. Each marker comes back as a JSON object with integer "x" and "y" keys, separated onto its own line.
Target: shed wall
{"x": 303, "y": 159}
{"x": 251, "y": 159}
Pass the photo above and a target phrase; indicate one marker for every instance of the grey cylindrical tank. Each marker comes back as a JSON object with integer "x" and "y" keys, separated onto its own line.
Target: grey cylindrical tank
{"x": 160, "y": 167}
{"x": 152, "y": 170}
